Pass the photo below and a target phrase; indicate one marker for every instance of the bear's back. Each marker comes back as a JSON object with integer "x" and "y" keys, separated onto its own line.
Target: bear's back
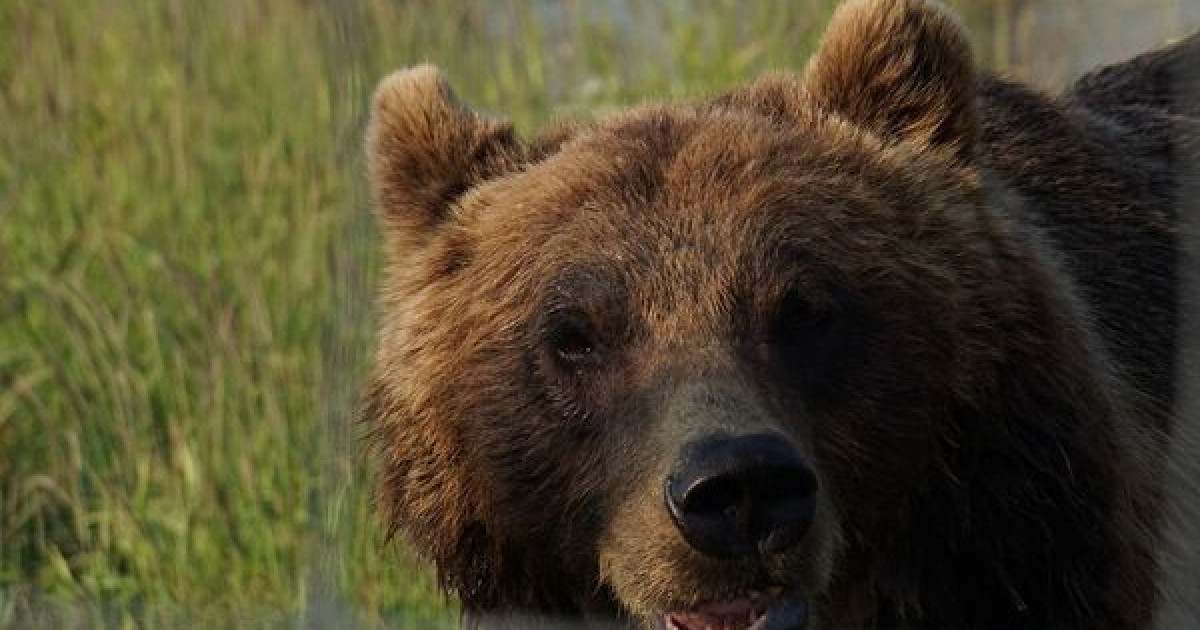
{"x": 1099, "y": 176}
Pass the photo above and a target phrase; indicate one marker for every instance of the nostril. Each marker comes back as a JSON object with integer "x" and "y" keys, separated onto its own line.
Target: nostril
{"x": 711, "y": 514}
{"x": 784, "y": 507}
{"x": 714, "y": 497}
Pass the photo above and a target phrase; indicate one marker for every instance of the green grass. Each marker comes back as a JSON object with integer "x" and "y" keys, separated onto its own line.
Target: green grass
{"x": 187, "y": 264}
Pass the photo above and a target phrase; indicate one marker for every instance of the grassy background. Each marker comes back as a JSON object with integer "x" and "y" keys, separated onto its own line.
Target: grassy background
{"x": 187, "y": 263}
{"x": 186, "y": 272}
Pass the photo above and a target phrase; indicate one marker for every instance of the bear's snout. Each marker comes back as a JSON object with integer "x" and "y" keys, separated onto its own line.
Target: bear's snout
{"x": 743, "y": 495}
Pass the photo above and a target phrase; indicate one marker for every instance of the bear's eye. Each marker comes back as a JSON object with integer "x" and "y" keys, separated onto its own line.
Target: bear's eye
{"x": 805, "y": 330}
{"x": 572, "y": 341}
{"x": 797, "y": 318}
{"x": 814, "y": 337}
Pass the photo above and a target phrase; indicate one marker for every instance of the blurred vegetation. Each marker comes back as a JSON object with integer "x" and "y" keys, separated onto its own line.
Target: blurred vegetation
{"x": 187, "y": 263}
{"x": 186, "y": 272}
{"x": 1050, "y": 42}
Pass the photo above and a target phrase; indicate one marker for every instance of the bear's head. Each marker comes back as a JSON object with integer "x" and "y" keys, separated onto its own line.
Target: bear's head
{"x": 718, "y": 362}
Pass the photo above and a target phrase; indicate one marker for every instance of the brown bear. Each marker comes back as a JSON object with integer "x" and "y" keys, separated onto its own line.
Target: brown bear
{"x": 887, "y": 344}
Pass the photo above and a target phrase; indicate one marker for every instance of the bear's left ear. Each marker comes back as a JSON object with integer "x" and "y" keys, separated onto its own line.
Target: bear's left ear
{"x": 900, "y": 68}
{"x": 424, "y": 150}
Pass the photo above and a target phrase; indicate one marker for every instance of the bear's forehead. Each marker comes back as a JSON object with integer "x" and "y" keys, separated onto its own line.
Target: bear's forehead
{"x": 684, "y": 206}
{"x": 686, "y": 169}
{"x": 704, "y": 153}
{"x": 672, "y": 207}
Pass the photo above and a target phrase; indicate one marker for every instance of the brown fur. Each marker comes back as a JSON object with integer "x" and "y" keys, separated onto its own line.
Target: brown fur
{"x": 855, "y": 259}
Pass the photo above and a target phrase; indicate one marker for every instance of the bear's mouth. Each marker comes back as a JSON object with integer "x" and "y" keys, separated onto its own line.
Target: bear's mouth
{"x": 754, "y": 611}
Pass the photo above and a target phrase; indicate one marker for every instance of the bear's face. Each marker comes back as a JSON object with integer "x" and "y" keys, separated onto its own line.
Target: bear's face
{"x": 710, "y": 277}
{"x": 657, "y": 366}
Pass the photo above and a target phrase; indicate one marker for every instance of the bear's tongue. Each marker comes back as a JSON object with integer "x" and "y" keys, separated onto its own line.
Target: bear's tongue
{"x": 740, "y": 614}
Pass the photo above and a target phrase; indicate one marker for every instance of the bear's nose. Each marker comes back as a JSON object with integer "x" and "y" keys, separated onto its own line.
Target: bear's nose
{"x": 733, "y": 496}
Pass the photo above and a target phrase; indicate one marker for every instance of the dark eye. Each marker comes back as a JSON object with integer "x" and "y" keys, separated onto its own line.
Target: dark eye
{"x": 573, "y": 342}
{"x": 801, "y": 324}
{"x": 814, "y": 337}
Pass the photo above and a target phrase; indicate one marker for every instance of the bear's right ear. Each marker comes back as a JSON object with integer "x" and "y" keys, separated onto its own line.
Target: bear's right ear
{"x": 424, "y": 150}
